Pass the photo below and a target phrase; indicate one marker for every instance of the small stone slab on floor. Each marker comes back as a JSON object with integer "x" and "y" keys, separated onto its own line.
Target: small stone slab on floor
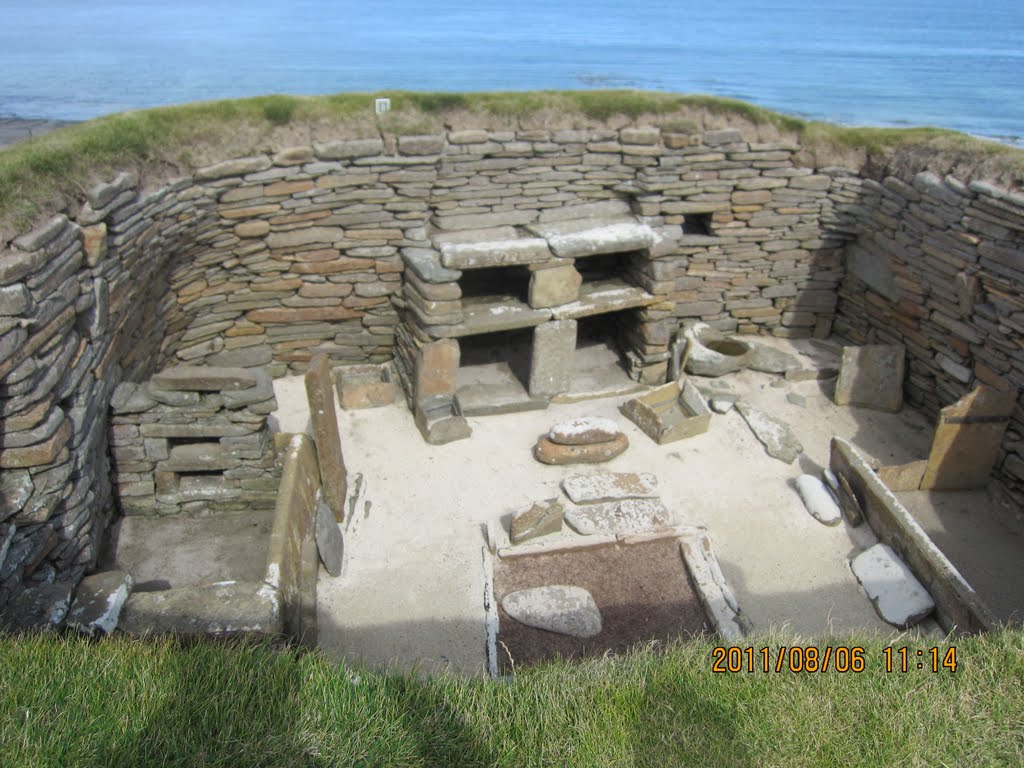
{"x": 548, "y": 452}
{"x": 538, "y": 519}
{"x": 98, "y": 602}
{"x": 629, "y": 516}
{"x": 38, "y": 609}
{"x": 565, "y": 609}
{"x": 897, "y": 595}
{"x": 586, "y": 430}
{"x": 776, "y": 436}
{"x": 818, "y": 500}
{"x": 610, "y": 486}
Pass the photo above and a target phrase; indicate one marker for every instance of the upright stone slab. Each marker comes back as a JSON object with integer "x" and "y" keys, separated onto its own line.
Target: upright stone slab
{"x": 333, "y": 474}
{"x": 967, "y": 440}
{"x": 555, "y": 286}
{"x": 98, "y": 602}
{"x": 554, "y": 344}
{"x": 436, "y": 366}
{"x": 872, "y": 377}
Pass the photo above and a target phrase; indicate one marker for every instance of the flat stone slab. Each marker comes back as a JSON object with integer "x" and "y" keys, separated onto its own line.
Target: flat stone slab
{"x": 610, "y": 486}
{"x": 872, "y": 377}
{"x": 818, "y": 500}
{"x": 897, "y": 595}
{"x": 560, "y": 608}
{"x": 38, "y": 609}
{"x": 333, "y": 475}
{"x": 495, "y": 253}
{"x": 98, "y": 602}
{"x": 548, "y": 452}
{"x": 770, "y": 360}
{"x": 603, "y": 296}
{"x": 329, "y": 541}
{"x": 584, "y": 430}
{"x": 629, "y": 516}
{"x": 201, "y": 378}
{"x": 777, "y": 438}
{"x": 228, "y": 608}
{"x": 426, "y": 264}
{"x": 538, "y": 519}
{"x": 198, "y": 457}
{"x": 589, "y": 237}
{"x": 491, "y": 317}
{"x": 666, "y": 413}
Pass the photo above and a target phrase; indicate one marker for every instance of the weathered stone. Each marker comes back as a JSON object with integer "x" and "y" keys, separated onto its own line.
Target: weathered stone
{"x": 776, "y": 436}
{"x": 131, "y": 397}
{"x": 903, "y": 477}
{"x": 101, "y": 195}
{"x": 38, "y": 609}
{"x": 257, "y": 228}
{"x": 297, "y": 238}
{"x": 348, "y": 148}
{"x": 897, "y": 595}
{"x": 198, "y": 457}
{"x": 210, "y": 427}
{"x": 98, "y": 602}
{"x": 968, "y": 439}
{"x": 439, "y": 419}
{"x": 329, "y": 541}
{"x": 818, "y": 500}
{"x": 14, "y": 299}
{"x": 614, "y": 517}
{"x": 576, "y": 239}
{"x": 426, "y": 264}
{"x": 554, "y": 344}
{"x": 555, "y": 286}
{"x": 7, "y": 531}
{"x": 709, "y": 353}
{"x": 435, "y": 368}
{"x": 770, "y": 360}
{"x": 484, "y": 220}
{"x": 610, "y": 486}
{"x": 498, "y": 253}
{"x": 722, "y": 403}
{"x": 37, "y": 434}
{"x": 874, "y": 269}
{"x": 548, "y": 452}
{"x": 43, "y": 235}
{"x": 38, "y": 454}
{"x": 420, "y": 145}
{"x": 584, "y": 430}
{"x": 259, "y": 354}
{"x": 872, "y": 377}
{"x": 333, "y": 475}
{"x": 566, "y": 610}
{"x": 238, "y": 167}
{"x": 365, "y": 386}
{"x": 538, "y": 519}
{"x": 667, "y": 414}
{"x": 203, "y": 379}
{"x": 228, "y": 608}
{"x": 16, "y": 487}
{"x": 301, "y": 315}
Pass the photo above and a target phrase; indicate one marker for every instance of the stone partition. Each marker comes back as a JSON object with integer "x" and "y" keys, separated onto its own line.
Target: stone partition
{"x": 938, "y": 266}
{"x": 271, "y": 259}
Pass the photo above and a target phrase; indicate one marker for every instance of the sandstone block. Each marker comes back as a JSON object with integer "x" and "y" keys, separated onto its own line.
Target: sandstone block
{"x": 225, "y": 609}
{"x": 548, "y": 452}
{"x": 610, "y": 486}
{"x": 872, "y": 377}
{"x": 201, "y": 378}
{"x": 776, "y": 436}
{"x": 38, "y": 454}
{"x": 344, "y": 149}
{"x": 584, "y": 431}
{"x": 627, "y": 516}
{"x": 553, "y": 287}
{"x": 538, "y": 519}
{"x": 554, "y": 344}
{"x": 435, "y": 368}
{"x": 333, "y": 474}
{"x": 239, "y": 167}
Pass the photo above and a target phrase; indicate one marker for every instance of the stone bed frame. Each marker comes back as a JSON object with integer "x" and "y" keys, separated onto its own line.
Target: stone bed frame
{"x": 273, "y": 258}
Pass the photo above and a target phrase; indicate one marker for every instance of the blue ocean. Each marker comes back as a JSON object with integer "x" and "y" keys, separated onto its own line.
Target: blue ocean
{"x": 950, "y": 63}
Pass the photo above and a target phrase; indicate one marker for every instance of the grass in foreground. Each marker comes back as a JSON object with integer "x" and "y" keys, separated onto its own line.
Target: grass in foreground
{"x": 67, "y": 702}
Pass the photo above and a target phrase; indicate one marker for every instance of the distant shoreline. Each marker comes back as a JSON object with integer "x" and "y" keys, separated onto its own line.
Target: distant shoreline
{"x": 15, "y": 129}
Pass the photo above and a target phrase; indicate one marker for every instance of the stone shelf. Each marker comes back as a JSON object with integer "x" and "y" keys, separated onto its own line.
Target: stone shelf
{"x": 491, "y": 314}
{"x": 604, "y": 296}
{"x": 591, "y": 237}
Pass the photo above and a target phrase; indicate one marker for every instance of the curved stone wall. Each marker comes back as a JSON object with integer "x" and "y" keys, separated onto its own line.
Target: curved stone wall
{"x": 269, "y": 259}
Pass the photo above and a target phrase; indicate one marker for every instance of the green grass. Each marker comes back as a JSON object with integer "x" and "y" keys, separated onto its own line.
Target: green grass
{"x": 52, "y": 171}
{"x": 67, "y": 702}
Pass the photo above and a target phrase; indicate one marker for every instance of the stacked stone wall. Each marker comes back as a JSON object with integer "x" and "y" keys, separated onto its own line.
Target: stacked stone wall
{"x": 270, "y": 259}
{"x": 938, "y": 266}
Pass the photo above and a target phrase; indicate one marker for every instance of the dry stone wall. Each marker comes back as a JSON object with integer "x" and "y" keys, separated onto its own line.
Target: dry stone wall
{"x": 270, "y": 259}
{"x": 938, "y": 266}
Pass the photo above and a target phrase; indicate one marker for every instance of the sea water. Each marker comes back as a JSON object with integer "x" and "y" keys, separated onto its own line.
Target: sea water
{"x": 950, "y": 63}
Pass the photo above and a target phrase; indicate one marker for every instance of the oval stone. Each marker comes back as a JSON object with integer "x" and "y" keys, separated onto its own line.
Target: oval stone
{"x": 585, "y": 430}
{"x": 548, "y": 452}
{"x": 560, "y": 608}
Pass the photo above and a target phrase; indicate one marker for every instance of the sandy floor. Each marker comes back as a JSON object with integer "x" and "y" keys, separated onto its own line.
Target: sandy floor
{"x": 411, "y": 591}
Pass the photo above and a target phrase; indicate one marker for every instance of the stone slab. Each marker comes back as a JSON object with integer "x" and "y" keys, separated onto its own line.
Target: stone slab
{"x": 903, "y": 477}
{"x": 584, "y": 430}
{"x": 198, "y": 457}
{"x": 777, "y": 438}
{"x": 565, "y": 609}
{"x": 333, "y": 475}
{"x": 818, "y": 500}
{"x": 494, "y": 253}
{"x": 329, "y": 541}
{"x": 667, "y": 414}
{"x": 440, "y": 420}
{"x": 16, "y": 488}
{"x": 200, "y": 378}
{"x": 536, "y": 520}
{"x": 436, "y": 366}
{"x": 968, "y": 439}
{"x": 628, "y": 516}
{"x": 225, "y": 609}
{"x": 603, "y": 296}
{"x": 590, "y": 237}
{"x": 770, "y": 360}
{"x": 554, "y": 287}
{"x": 554, "y": 344}
{"x": 98, "y": 602}
{"x": 491, "y": 317}
{"x": 872, "y": 377}
{"x": 38, "y": 609}
{"x": 897, "y": 595}
{"x": 610, "y": 486}
{"x": 548, "y": 452}
{"x": 366, "y": 386}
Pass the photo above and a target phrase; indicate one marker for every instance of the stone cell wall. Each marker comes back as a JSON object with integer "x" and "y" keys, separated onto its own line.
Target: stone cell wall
{"x": 267, "y": 260}
{"x": 938, "y": 266}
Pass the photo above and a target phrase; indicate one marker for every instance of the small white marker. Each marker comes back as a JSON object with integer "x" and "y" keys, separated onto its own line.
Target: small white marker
{"x": 382, "y": 105}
